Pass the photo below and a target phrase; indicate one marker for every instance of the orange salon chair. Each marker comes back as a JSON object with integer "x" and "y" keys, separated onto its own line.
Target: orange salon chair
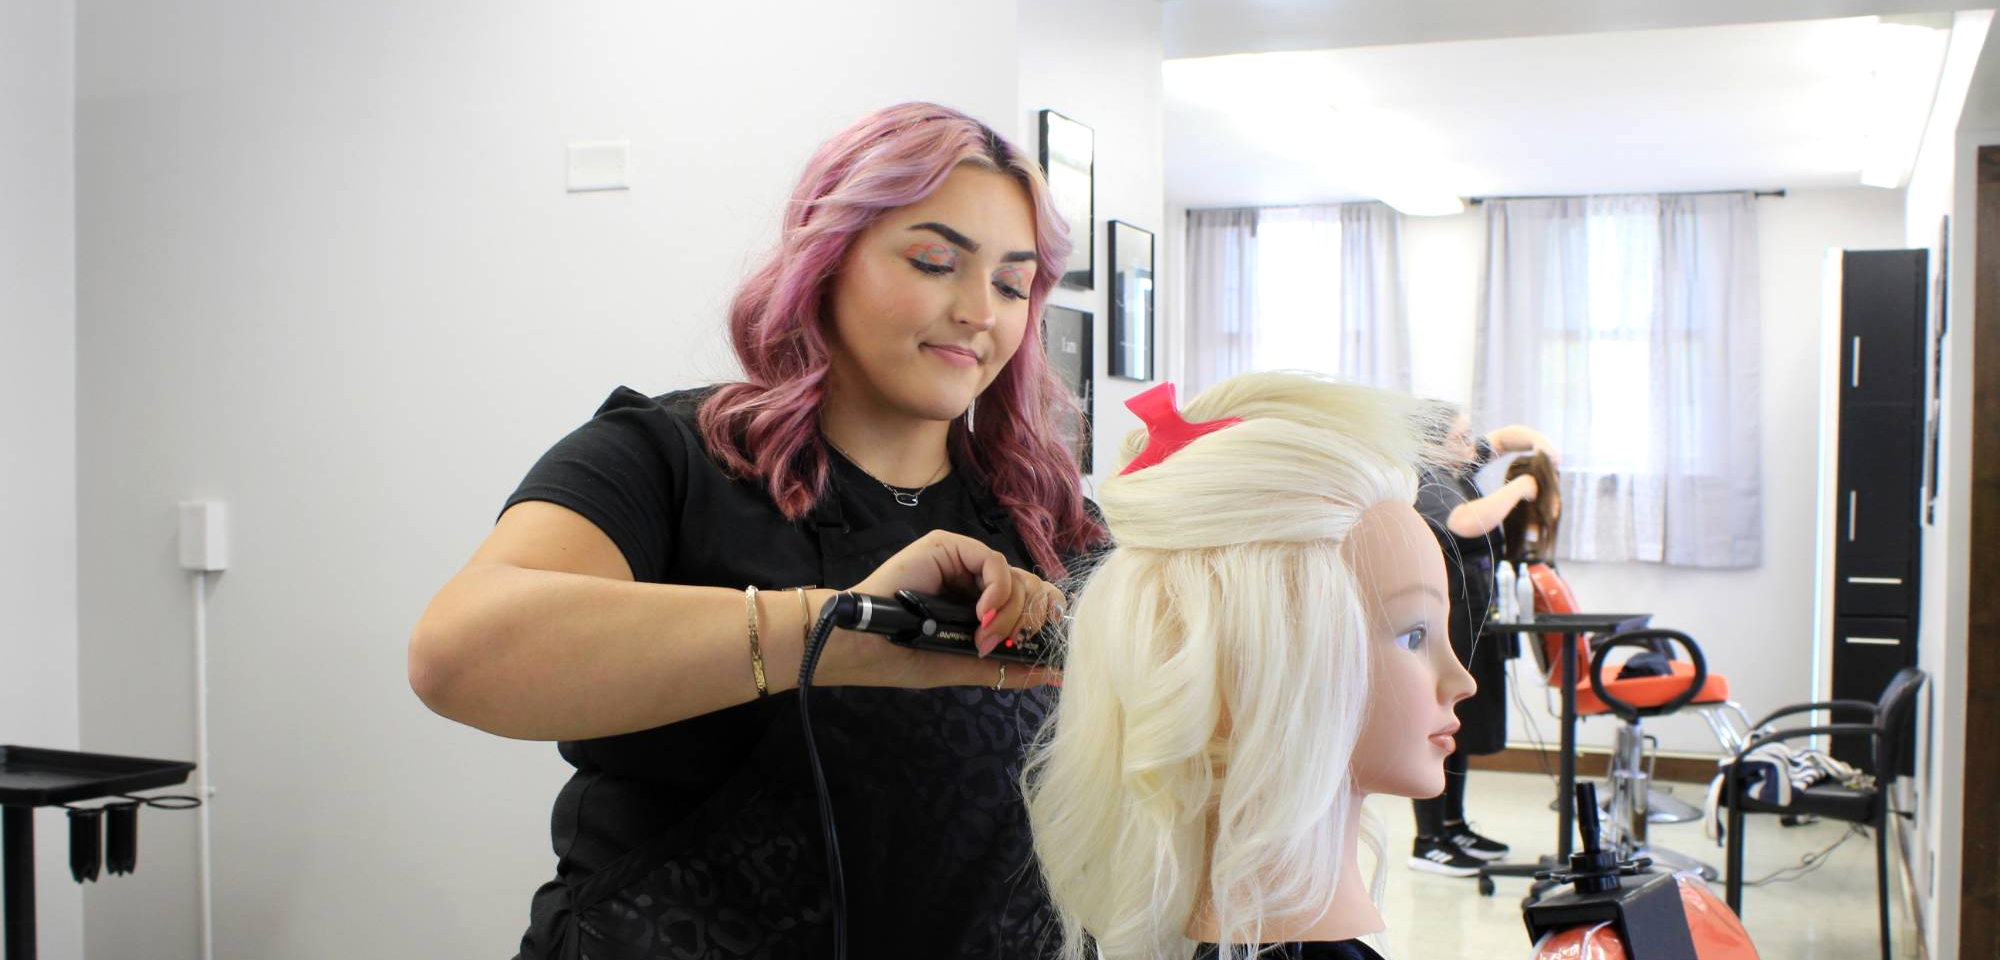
{"x": 1632, "y": 693}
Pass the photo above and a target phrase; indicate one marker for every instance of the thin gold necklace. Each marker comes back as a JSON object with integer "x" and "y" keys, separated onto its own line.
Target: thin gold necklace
{"x": 905, "y": 497}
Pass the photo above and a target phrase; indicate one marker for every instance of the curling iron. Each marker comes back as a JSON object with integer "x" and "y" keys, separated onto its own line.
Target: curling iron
{"x": 925, "y": 622}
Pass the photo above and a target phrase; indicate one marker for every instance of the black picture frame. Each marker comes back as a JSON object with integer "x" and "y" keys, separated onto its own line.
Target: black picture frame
{"x": 1068, "y": 341}
{"x": 1069, "y": 161}
{"x": 1940, "y": 325}
{"x": 1133, "y": 286}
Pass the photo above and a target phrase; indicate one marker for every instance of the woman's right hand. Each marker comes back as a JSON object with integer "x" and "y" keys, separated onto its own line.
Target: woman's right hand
{"x": 1010, "y": 602}
{"x": 1530, "y": 487}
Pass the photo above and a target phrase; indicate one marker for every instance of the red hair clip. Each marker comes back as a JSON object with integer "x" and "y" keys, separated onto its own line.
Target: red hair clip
{"x": 1166, "y": 431}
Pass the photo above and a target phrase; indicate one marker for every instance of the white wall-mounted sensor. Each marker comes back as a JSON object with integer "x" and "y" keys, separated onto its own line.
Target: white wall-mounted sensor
{"x": 599, "y": 165}
{"x": 204, "y": 535}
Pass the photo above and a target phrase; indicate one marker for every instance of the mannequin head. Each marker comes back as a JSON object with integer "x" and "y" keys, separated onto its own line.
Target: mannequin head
{"x": 1530, "y": 528}
{"x": 1265, "y": 645}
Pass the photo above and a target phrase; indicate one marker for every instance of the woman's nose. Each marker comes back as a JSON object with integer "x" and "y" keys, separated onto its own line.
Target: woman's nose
{"x": 975, "y": 308}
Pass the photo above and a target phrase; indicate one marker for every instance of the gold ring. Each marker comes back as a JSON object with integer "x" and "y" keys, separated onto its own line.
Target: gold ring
{"x": 1001, "y": 683}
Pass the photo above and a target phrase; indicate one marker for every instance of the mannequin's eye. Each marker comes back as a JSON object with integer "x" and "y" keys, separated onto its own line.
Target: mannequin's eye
{"x": 1410, "y": 639}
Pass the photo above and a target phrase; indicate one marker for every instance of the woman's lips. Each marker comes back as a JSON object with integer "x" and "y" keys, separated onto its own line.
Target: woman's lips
{"x": 956, "y": 356}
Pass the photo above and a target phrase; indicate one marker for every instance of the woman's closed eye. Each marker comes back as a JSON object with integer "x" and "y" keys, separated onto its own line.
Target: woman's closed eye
{"x": 936, "y": 259}
{"x": 1011, "y": 281}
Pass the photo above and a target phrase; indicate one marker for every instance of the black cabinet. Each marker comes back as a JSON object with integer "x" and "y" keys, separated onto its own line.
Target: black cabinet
{"x": 1882, "y": 326}
{"x": 1879, "y": 480}
{"x": 1877, "y": 529}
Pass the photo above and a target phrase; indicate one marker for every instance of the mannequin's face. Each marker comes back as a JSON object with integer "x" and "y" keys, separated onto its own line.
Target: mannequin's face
{"x": 1415, "y": 680}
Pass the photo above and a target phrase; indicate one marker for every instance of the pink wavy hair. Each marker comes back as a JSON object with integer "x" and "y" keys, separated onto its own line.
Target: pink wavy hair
{"x": 767, "y": 427}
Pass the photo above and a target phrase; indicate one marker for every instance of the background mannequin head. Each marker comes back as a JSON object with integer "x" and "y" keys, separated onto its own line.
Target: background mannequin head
{"x": 1265, "y": 644}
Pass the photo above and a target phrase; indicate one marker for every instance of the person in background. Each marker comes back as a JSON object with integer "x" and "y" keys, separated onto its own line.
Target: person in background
{"x": 1466, "y": 523}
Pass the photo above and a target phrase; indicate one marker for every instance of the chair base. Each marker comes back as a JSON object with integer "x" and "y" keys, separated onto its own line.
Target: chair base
{"x": 1664, "y": 807}
{"x": 1672, "y": 861}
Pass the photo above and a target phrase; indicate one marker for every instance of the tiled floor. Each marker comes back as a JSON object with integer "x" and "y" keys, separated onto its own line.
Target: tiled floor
{"x": 1828, "y": 914}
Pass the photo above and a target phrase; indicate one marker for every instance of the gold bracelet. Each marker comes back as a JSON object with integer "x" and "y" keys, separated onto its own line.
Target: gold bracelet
{"x": 756, "y": 652}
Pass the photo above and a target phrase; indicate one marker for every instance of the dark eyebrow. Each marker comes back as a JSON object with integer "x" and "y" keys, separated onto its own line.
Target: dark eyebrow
{"x": 970, "y": 245}
{"x": 954, "y": 237}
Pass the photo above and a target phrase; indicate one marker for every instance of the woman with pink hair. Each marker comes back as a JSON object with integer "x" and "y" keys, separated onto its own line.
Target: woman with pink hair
{"x": 644, "y": 597}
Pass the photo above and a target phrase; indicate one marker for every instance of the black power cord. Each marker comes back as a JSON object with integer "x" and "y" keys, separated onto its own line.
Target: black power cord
{"x": 836, "y": 883}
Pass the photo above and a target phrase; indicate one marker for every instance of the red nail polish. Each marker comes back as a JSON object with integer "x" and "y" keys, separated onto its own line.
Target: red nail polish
{"x": 987, "y": 618}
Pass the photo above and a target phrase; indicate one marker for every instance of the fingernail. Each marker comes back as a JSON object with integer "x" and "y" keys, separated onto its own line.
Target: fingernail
{"x": 987, "y": 617}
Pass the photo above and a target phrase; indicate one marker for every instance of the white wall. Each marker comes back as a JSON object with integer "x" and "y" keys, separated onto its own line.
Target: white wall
{"x": 38, "y": 650}
{"x": 1755, "y": 625}
{"x": 332, "y": 278}
{"x": 1945, "y": 183}
{"x": 1942, "y": 183}
{"x": 1099, "y": 64}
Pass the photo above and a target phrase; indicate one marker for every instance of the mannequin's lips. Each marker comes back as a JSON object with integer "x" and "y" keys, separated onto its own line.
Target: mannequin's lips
{"x": 1444, "y": 739}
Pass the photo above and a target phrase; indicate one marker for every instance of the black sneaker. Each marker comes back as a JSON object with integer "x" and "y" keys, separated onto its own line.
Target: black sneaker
{"x": 1443, "y": 856}
{"x": 1474, "y": 845}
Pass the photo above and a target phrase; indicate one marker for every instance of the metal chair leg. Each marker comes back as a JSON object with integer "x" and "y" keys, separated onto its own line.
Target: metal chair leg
{"x": 1629, "y": 785}
{"x": 1734, "y": 888}
{"x": 1882, "y": 877}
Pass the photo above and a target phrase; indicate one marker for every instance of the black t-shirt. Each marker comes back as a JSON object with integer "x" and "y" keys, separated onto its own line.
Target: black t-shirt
{"x": 701, "y": 838}
{"x": 1315, "y": 950}
{"x": 1440, "y": 493}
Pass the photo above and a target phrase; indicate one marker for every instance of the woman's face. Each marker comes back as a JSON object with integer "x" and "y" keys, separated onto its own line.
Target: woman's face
{"x": 1415, "y": 679}
{"x": 932, "y": 300}
{"x": 1458, "y": 443}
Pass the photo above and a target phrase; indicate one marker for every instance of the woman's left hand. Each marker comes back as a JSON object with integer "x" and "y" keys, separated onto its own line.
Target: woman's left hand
{"x": 1544, "y": 446}
{"x": 1521, "y": 438}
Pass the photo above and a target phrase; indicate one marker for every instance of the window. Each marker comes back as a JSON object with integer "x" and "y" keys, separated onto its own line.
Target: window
{"x": 1298, "y": 291}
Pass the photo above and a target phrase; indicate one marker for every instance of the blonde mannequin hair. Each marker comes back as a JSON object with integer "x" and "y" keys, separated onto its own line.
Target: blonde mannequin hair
{"x": 1215, "y": 674}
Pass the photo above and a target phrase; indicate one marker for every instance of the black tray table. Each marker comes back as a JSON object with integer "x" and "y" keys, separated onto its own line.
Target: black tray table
{"x": 33, "y": 777}
{"x": 1571, "y": 626}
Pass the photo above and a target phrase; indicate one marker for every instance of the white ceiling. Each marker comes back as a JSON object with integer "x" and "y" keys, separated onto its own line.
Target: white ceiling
{"x": 1718, "y": 107}
{"x": 1209, "y": 28}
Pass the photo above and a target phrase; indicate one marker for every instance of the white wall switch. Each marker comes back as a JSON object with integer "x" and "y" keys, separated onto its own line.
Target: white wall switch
{"x": 599, "y": 165}
{"x": 204, "y": 535}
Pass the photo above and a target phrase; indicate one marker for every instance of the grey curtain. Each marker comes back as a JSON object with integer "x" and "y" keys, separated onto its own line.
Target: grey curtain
{"x": 1316, "y": 287}
{"x": 1626, "y": 328}
{"x": 1221, "y": 295}
{"x": 1374, "y": 328}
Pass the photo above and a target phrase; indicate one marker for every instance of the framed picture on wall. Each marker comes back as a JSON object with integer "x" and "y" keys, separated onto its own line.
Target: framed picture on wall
{"x": 1940, "y": 304}
{"x": 1069, "y": 159}
{"x": 1066, "y": 336}
{"x": 1132, "y": 285}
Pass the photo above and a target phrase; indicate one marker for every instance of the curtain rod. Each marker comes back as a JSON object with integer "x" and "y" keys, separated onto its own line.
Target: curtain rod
{"x": 1780, "y": 193}
{"x": 1476, "y": 201}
